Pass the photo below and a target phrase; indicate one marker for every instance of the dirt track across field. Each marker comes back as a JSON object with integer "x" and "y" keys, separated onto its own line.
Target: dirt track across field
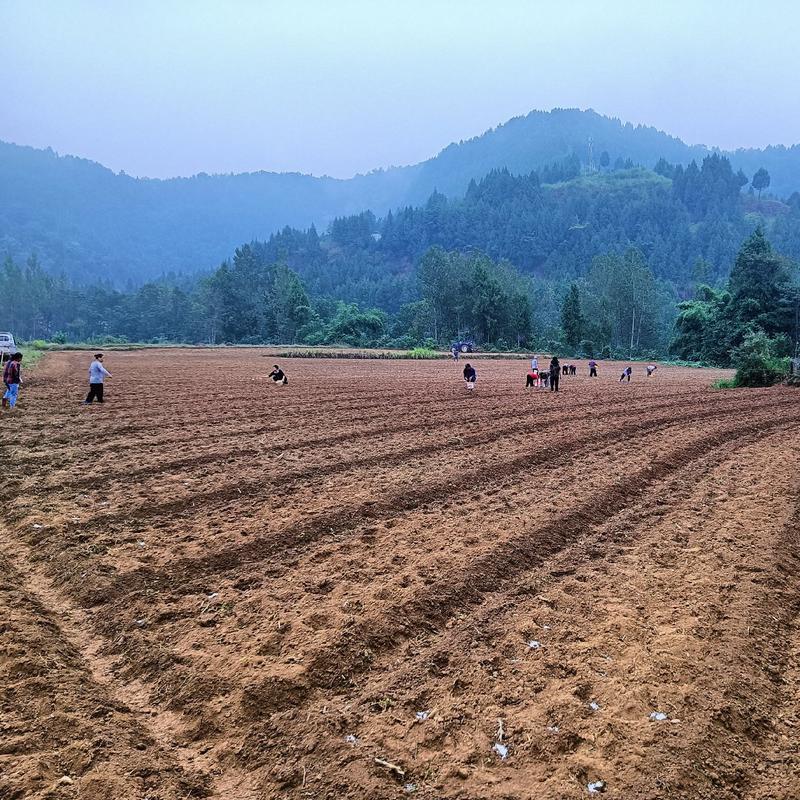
{"x": 373, "y": 584}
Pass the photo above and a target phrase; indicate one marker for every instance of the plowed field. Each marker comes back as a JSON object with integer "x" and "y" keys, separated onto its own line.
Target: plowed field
{"x": 372, "y": 584}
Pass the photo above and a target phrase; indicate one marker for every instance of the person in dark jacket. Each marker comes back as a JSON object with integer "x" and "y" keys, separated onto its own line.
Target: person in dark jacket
{"x": 592, "y": 368}
{"x": 12, "y": 377}
{"x": 470, "y": 376}
{"x": 278, "y": 375}
{"x": 555, "y": 374}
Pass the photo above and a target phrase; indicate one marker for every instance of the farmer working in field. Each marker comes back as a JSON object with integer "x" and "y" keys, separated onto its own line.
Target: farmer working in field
{"x": 97, "y": 374}
{"x": 12, "y": 377}
{"x": 555, "y": 373}
{"x": 592, "y": 368}
{"x": 278, "y": 375}
{"x": 470, "y": 376}
{"x": 532, "y": 378}
{"x": 626, "y": 373}
{"x": 651, "y": 368}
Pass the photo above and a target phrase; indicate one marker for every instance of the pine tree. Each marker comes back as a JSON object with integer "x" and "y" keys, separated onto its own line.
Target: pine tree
{"x": 757, "y": 276}
{"x": 572, "y": 321}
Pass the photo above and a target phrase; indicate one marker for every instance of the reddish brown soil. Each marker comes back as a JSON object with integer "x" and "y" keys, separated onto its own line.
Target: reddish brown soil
{"x": 209, "y": 583}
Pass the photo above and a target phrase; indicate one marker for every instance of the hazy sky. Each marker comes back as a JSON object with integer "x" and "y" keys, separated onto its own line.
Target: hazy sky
{"x": 335, "y": 87}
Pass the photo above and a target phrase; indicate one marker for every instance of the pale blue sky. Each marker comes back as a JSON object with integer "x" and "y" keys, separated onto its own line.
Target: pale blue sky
{"x": 176, "y": 87}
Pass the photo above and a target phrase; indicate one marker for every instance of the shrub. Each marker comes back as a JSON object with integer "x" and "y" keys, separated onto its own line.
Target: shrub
{"x": 724, "y": 383}
{"x": 757, "y": 361}
{"x": 39, "y": 344}
{"x": 586, "y": 348}
{"x": 423, "y": 352}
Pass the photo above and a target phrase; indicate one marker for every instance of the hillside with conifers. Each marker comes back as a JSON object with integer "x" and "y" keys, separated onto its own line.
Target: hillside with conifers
{"x": 628, "y": 246}
{"x": 87, "y": 223}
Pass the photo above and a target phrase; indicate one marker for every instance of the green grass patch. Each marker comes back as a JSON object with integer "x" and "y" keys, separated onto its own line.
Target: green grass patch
{"x": 31, "y": 356}
{"x": 724, "y": 383}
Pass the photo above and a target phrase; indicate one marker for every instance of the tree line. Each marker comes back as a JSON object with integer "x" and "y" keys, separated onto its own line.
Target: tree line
{"x": 599, "y": 263}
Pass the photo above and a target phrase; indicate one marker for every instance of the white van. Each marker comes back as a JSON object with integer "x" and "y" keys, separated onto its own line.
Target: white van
{"x": 7, "y": 345}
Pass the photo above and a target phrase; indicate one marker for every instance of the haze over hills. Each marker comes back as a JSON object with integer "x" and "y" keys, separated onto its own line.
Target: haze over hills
{"x": 87, "y": 222}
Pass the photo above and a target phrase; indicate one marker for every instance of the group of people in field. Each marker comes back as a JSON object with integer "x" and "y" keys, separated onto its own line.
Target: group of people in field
{"x": 536, "y": 377}
{"x": 12, "y": 378}
{"x": 550, "y": 376}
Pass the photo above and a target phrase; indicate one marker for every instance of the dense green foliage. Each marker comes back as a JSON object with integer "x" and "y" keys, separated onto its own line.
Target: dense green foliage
{"x": 90, "y": 224}
{"x": 752, "y": 323}
{"x": 577, "y": 262}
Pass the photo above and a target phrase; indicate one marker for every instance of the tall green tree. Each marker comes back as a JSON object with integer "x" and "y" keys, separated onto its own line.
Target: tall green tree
{"x": 572, "y": 321}
{"x": 761, "y": 180}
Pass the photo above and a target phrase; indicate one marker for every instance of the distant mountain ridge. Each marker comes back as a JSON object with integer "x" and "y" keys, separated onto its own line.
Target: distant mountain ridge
{"x": 84, "y": 220}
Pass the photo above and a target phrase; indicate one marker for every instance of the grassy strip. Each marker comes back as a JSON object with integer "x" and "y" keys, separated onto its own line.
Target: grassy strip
{"x": 419, "y": 353}
{"x": 30, "y": 356}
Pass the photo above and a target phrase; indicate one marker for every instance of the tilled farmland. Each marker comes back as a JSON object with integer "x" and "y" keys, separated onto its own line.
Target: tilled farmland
{"x": 371, "y": 583}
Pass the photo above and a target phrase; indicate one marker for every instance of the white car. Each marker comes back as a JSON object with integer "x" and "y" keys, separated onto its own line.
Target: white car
{"x": 7, "y": 345}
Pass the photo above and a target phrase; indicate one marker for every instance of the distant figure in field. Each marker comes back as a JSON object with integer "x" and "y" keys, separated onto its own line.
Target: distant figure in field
{"x": 532, "y": 378}
{"x": 573, "y": 370}
{"x": 454, "y": 351}
{"x": 565, "y": 370}
{"x": 97, "y": 375}
{"x": 535, "y": 363}
{"x": 555, "y": 373}
{"x": 12, "y": 378}
{"x": 626, "y": 373}
{"x": 544, "y": 378}
{"x": 592, "y": 368}
{"x": 470, "y": 376}
{"x": 278, "y": 375}
{"x": 651, "y": 368}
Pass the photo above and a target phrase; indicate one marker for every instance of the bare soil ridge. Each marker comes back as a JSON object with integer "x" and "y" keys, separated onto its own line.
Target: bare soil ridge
{"x": 252, "y": 592}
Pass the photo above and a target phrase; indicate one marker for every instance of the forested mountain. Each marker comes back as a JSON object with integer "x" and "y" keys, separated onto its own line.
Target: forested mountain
{"x": 86, "y": 222}
{"x": 624, "y": 246}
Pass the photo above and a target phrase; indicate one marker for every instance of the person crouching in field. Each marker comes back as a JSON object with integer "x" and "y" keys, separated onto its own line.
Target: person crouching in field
{"x": 592, "y": 368}
{"x": 626, "y": 373}
{"x": 97, "y": 374}
{"x": 532, "y": 378}
{"x": 470, "y": 376}
{"x": 651, "y": 368}
{"x": 12, "y": 377}
{"x": 555, "y": 374}
{"x": 278, "y": 375}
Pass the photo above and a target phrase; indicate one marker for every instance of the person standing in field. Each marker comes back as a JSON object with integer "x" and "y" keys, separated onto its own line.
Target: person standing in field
{"x": 626, "y": 373}
{"x": 555, "y": 373}
{"x": 454, "y": 351}
{"x": 592, "y": 368}
{"x": 97, "y": 374}
{"x": 470, "y": 376}
{"x": 535, "y": 363}
{"x": 12, "y": 377}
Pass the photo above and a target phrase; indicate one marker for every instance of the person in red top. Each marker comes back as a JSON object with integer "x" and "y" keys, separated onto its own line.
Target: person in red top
{"x": 12, "y": 377}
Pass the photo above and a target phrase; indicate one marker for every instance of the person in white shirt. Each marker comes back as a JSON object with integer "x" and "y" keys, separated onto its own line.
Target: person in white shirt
{"x": 535, "y": 363}
{"x": 97, "y": 374}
